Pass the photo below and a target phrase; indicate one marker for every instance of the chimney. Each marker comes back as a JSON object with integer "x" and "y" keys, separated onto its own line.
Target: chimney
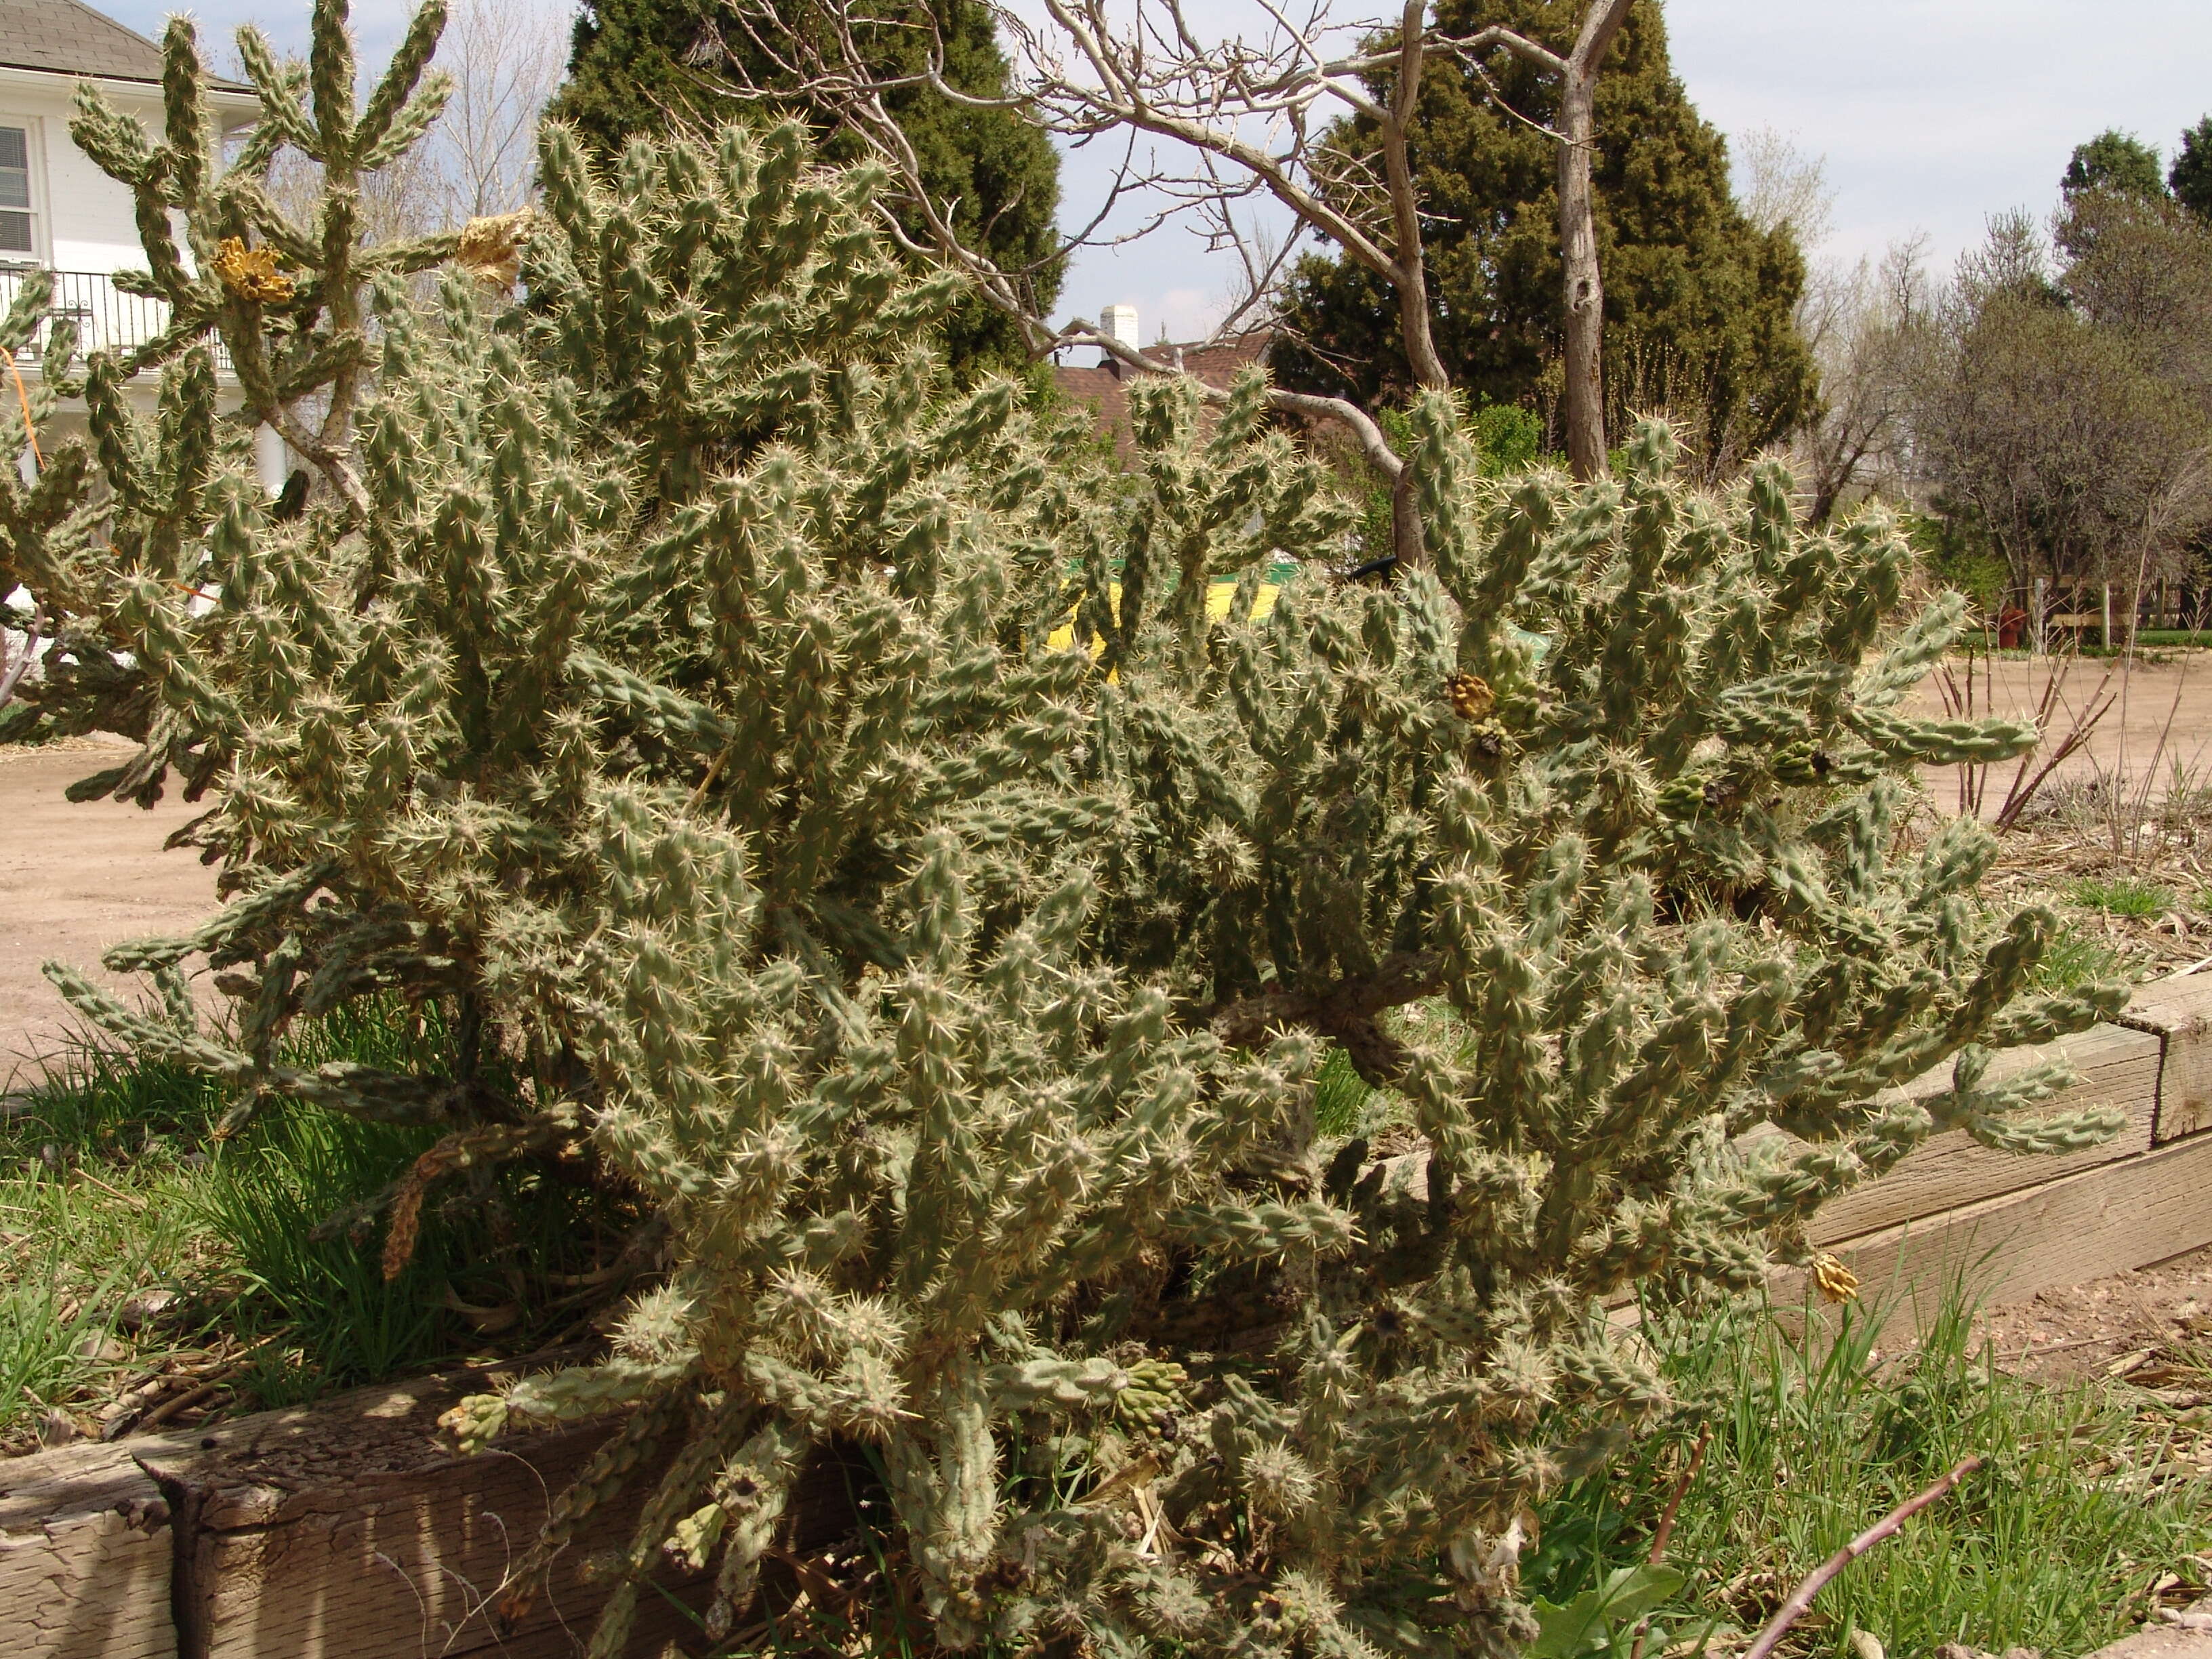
{"x": 1120, "y": 322}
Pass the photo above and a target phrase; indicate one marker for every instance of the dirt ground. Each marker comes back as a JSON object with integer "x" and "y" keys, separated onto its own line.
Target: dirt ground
{"x": 2160, "y": 713}
{"x": 2146, "y": 1338}
{"x": 2151, "y": 1329}
{"x": 74, "y": 879}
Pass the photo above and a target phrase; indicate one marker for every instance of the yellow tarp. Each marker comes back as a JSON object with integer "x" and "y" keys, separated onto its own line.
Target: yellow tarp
{"x": 1218, "y": 597}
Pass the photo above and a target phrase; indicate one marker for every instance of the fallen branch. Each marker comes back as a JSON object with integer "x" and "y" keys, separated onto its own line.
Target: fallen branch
{"x": 1802, "y": 1597}
{"x": 176, "y": 1404}
{"x": 1661, "y": 1538}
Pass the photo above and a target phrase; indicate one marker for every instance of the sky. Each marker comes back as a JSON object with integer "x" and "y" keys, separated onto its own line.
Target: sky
{"x": 1929, "y": 115}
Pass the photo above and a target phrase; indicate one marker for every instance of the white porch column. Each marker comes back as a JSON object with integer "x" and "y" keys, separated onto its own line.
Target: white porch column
{"x": 271, "y": 459}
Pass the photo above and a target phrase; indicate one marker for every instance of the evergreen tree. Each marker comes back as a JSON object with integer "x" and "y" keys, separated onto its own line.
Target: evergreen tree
{"x": 2114, "y": 161}
{"x": 2191, "y": 176}
{"x": 639, "y": 66}
{"x": 1698, "y": 305}
{"x": 834, "y": 803}
{"x": 653, "y": 66}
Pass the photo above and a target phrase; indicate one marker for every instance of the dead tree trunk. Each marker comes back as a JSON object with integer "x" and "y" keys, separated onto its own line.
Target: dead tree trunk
{"x": 1584, "y": 291}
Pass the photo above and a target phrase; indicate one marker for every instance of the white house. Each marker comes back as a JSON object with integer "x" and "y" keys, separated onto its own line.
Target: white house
{"x": 60, "y": 212}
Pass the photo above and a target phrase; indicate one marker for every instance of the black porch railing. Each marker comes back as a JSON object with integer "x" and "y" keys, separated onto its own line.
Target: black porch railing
{"x": 106, "y": 318}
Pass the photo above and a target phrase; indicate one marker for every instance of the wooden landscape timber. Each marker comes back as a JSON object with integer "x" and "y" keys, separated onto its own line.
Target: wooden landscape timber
{"x": 2007, "y": 1227}
{"x": 351, "y": 1529}
{"x": 2118, "y": 1066}
{"x": 2179, "y": 1013}
{"x": 345, "y": 1530}
{"x": 86, "y": 1552}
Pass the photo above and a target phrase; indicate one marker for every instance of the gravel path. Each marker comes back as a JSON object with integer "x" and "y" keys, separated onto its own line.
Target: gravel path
{"x": 74, "y": 879}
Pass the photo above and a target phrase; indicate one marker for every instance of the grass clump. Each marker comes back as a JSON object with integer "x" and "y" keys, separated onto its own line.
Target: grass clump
{"x": 2053, "y": 1546}
{"x": 112, "y": 1184}
{"x": 2122, "y": 896}
{"x": 1341, "y": 1096}
{"x": 2073, "y": 957}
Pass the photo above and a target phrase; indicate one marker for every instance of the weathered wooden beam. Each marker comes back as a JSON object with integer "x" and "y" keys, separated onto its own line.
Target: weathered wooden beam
{"x": 2179, "y": 1013}
{"x": 85, "y": 1556}
{"x": 2128, "y": 1213}
{"x": 350, "y": 1530}
{"x": 2119, "y": 1067}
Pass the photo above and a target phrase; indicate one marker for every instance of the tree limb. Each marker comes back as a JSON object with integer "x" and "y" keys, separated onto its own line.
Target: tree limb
{"x": 1800, "y": 1599}
{"x": 32, "y": 634}
{"x": 1248, "y": 111}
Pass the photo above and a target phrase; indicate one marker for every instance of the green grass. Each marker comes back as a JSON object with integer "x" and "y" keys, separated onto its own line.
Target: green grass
{"x": 2173, "y": 636}
{"x": 111, "y": 1183}
{"x": 73, "y": 1255}
{"x": 2123, "y": 896}
{"x": 2051, "y": 1546}
{"x": 2073, "y": 957}
{"x": 1340, "y": 1097}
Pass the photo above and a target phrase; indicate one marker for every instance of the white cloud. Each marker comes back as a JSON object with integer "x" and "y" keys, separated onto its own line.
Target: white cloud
{"x": 1934, "y": 114}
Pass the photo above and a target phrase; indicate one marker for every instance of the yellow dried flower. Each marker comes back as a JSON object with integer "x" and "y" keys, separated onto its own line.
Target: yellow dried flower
{"x": 1471, "y": 697}
{"x": 251, "y": 273}
{"x": 1837, "y": 1283}
{"x": 490, "y": 249}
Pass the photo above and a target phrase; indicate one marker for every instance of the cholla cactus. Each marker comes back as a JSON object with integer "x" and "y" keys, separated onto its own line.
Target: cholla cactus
{"x": 288, "y": 303}
{"x": 676, "y": 695}
{"x": 287, "y": 300}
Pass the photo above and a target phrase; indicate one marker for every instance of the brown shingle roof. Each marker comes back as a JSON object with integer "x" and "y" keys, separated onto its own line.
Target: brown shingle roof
{"x": 65, "y": 38}
{"x": 1106, "y": 388}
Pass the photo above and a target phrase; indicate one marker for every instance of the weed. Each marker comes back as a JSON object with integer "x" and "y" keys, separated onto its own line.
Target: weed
{"x": 2123, "y": 896}
{"x": 1816, "y": 1438}
{"x": 2073, "y": 957}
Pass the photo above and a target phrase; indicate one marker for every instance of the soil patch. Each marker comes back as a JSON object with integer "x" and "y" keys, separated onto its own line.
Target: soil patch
{"x": 2151, "y": 1329}
{"x": 74, "y": 879}
{"x": 2161, "y": 714}
{"x": 2146, "y": 1338}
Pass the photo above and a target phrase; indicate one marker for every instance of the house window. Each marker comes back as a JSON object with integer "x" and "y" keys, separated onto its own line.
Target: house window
{"x": 16, "y": 192}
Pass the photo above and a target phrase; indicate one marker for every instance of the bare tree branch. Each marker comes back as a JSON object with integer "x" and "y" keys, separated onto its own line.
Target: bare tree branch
{"x": 1255, "y": 115}
{"x": 1801, "y": 1598}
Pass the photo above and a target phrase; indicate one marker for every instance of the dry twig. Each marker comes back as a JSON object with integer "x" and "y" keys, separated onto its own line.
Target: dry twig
{"x": 1800, "y": 1599}
{"x": 1664, "y": 1534}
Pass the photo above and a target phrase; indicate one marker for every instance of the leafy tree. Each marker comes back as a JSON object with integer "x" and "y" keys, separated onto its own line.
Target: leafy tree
{"x": 2190, "y": 177}
{"x": 637, "y": 66}
{"x": 1698, "y": 302}
{"x": 835, "y": 814}
{"x": 655, "y": 66}
{"x": 2114, "y": 161}
{"x": 2142, "y": 269}
{"x": 2061, "y": 411}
